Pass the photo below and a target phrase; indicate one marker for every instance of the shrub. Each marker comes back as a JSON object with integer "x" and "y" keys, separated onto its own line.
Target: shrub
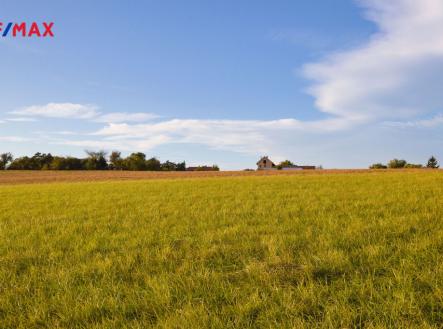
{"x": 396, "y": 163}
{"x": 284, "y": 164}
{"x": 412, "y": 165}
{"x": 378, "y": 166}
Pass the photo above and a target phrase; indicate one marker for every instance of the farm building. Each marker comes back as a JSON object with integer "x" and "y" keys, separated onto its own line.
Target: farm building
{"x": 266, "y": 164}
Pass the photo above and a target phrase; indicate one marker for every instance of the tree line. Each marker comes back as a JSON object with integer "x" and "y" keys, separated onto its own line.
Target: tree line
{"x": 93, "y": 161}
{"x": 398, "y": 164}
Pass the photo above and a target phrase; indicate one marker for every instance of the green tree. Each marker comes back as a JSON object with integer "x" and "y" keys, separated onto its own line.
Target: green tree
{"x": 116, "y": 162}
{"x": 285, "y": 164}
{"x": 378, "y": 166}
{"x": 168, "y": 166}
{"x": 136, "y": 161}
{"x": 68, "y": 163}
{"x": 22, "y": 163}
{"x": 41, "y": 161}
{"x": 5, "y": 159}
{"x": 96, "y": 160}
{"x": 432, "y": 163}
{"x": 396, "y": 163}
{"x": 413, "y": 165}
{"x": 153, "y": 164}
{"x": 181, "y": 166}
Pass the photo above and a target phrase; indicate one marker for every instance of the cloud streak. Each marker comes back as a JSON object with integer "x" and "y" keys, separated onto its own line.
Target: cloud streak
{"x": 394, "y": 75}
{"x": 78, "y": 111}
{"x": 14, "y": 139}
{"x": 433, "y": 122}
{"x": 245, "y": 136}
{"x": 59, "y": 110}
{"x": 117, "y": 117}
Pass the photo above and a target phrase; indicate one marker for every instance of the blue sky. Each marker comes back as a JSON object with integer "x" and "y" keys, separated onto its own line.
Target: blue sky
{"x": 339, "y": 83}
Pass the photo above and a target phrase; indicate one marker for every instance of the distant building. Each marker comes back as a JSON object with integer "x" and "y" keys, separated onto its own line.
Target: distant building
{"x": 265, "y": 164}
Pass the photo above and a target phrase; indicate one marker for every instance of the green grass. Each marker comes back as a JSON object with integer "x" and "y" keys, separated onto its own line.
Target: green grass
{"x": 326, "y": 251}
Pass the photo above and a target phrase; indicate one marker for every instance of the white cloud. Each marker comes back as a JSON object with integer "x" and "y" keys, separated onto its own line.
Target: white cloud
{"x": 246, "y": 136}
{"x": 65, "y": 133}
{"x": 117, "y": 144}
{"x": 14, "y": 139}
{"x": 209, "y": 128}
{"x": 424, "y": 123}
{"x": 396, "y": 75}
{"x": 78, "y": 111}
{"x": 59, "y": 110}
{"x": 21, "y": 119}
{"x": 220, "y": 134}
{"x": 116, "y": 117}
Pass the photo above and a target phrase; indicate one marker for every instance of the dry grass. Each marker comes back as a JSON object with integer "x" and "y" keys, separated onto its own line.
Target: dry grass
{"x": 308, "y": 250}
{"x": 31, "y": 177}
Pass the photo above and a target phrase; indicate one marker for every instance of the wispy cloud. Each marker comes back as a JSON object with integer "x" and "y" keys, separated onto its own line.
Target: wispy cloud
{"x": 245, "y": 136}
{"x": 21, "y": 119}
{"x": 78, "y": 111}
{"x": 65, "y": 133}
{"x": 119, "y": 144}
{"x": 117, "y": 117}
{"x": 395, "y": 75}
{"x": 14, "y": 139}
{"x": 433, "y": 122}
{"x": 59, "y": 110}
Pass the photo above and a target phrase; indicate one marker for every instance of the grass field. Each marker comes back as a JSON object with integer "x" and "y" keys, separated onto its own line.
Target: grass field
{"x": 51, "y": 176}
{"x": 350, "y": 250}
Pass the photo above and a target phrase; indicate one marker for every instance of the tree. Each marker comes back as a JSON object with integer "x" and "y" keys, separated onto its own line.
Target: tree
{"x": 23, "y": 163}
{"x": 396, "y": 163}
{"x": 5, "y": 159}
{"x": 285, "y": 164}
{"x": 116, "y": 162}
{"x": 38, "y": 161}
{"x": 68, "y": 163}
{"x": 96, "y": 160}
{"x": 168, "y": 166}
{"x": 153, "y": 164}
{"x": 181, "y": 166}
{"x": 378, "y": 166}
{"x": 413, "y": 165}
{"x": 136, "y": 161}
{"x": 41, "y": 161}
{"x": 432, "y": 163}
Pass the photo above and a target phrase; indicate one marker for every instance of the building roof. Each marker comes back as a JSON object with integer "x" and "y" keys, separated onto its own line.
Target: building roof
{"x": 265, "y": 158}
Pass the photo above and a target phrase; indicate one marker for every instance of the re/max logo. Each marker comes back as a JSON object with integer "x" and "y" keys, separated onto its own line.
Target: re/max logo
{"x": 30, "y": 30}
